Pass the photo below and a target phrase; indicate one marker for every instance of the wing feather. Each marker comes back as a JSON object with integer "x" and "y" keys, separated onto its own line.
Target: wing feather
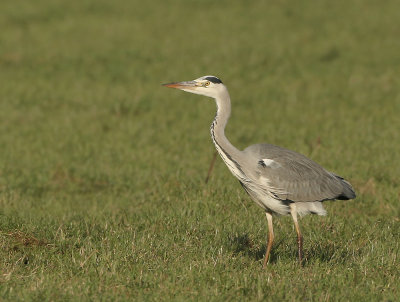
{"x": 292, "y": 177}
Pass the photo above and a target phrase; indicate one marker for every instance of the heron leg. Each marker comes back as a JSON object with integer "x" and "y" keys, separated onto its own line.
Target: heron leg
{"x": 293, "y": 212}
{"x": 270, "y": 238}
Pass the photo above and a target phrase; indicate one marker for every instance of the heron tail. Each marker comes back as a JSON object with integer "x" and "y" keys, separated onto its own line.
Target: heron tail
{"x": 348, "y": 191}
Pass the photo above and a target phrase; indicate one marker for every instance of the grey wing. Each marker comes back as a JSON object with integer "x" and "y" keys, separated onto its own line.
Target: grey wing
{"x": 290, "y": 176}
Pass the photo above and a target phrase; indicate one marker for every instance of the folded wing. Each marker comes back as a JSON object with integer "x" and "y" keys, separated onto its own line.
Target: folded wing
{"x": 290, "y": 176}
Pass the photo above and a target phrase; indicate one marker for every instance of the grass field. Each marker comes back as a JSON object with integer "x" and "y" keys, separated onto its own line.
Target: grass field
{"x": 102, "y": 193}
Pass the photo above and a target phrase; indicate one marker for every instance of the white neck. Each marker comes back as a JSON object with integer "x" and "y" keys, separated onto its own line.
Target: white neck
{"x": 229, "y": 153}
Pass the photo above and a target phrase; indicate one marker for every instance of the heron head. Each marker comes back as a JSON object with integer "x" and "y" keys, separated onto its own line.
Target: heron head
{"x": 209, "y": 86}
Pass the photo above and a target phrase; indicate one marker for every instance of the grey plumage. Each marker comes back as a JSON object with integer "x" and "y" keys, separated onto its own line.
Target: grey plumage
{"x": 295, "y": 178}
{"x": 279, "y": 180}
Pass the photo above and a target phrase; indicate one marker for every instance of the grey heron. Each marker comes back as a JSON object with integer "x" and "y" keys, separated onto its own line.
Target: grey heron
{"x": 279, "y": 180}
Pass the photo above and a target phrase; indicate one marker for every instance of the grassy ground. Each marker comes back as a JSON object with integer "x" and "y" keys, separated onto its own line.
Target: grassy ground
{"x": 102, "y": 193}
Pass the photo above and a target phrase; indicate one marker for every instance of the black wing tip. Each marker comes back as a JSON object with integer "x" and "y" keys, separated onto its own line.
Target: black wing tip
{"x": 350, "y": 194}
{"x": 343, "y": 197}
{"x": 261, "y": 163}
{"x": 348, "y": 191}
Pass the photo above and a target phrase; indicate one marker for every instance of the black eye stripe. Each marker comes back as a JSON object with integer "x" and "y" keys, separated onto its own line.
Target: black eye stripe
{"x": 215, "y": 80}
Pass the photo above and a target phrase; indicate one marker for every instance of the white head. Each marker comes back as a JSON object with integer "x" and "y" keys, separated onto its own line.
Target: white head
{"x": 209, "y": 86}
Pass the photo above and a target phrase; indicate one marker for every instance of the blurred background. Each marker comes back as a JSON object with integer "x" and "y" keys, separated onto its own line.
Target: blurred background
{"x": 80, "y": 85}
{"x": 87, "y": 132}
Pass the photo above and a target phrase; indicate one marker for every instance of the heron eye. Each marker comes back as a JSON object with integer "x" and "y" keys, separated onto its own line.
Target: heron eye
{"x": 206, "y": 84}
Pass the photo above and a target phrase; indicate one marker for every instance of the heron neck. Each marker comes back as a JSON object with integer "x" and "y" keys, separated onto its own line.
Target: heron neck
{"x": 218, "y": 126}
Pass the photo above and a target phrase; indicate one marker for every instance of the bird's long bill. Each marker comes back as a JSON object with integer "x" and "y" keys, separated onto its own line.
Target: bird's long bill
{"x": 182, "y": 85}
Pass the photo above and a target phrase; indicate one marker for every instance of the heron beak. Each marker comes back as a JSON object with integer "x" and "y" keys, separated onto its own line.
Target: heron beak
{"x": 182, "y": 85}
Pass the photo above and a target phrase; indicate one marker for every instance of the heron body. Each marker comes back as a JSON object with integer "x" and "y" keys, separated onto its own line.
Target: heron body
{"x": 279, "y": 180}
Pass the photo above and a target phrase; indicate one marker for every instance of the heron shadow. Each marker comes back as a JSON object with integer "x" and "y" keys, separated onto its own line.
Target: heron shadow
{"x": 329, "y": 252}
{"x": 244, "y": 244}
{"x": 326, "y": 252}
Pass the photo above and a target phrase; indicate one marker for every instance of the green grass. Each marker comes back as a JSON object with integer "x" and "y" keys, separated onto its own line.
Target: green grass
{"x": 102, "y": 193}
